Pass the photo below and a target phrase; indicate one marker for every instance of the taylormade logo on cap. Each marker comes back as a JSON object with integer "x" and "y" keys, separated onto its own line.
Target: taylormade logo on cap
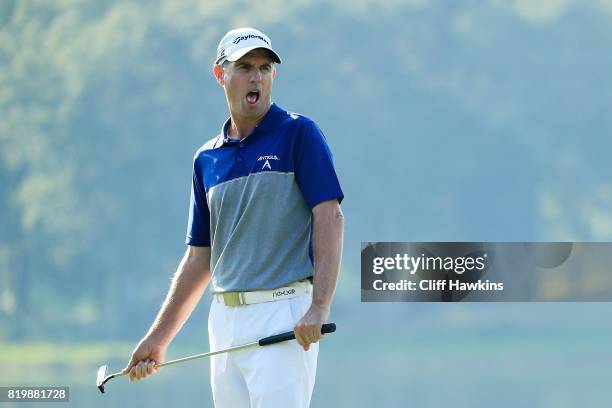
{"x": 246, "y": 37}
{"x": 236, "y": 43}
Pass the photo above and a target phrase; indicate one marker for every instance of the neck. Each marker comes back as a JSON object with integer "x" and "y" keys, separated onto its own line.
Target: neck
{"x": 241, "y": 126}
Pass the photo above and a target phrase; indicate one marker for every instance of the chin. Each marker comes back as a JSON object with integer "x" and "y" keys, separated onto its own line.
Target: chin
{"x": 252, "y": 109}
{"x": 258, "y": 107}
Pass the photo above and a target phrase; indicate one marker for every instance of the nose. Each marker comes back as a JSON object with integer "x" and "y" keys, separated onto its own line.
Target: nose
{"x": 256, "y": 76}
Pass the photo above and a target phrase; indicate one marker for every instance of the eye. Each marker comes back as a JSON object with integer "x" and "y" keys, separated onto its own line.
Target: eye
{"x": 266, "y": 68}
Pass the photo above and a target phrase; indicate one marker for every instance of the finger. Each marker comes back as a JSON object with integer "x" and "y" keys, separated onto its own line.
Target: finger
{"x": 299, "y": 336}
{"x": 312, "y": 340}
{"x": 129, "y": 366}
{"x": 150, "y": 365}
{"x": 312, "y": 336}
{"x": 143, "y": 369}
{"x": 133, "y": 373}
{"x": 136, "y": 371}
{"x": 139, "y": 370}
{"x": 308, "y": 338}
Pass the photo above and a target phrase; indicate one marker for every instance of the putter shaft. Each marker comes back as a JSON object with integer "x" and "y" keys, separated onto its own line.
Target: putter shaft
{"x": 210, "y": 353}
{"x": 181, "y": 360}
{"x": 266, "y": 341}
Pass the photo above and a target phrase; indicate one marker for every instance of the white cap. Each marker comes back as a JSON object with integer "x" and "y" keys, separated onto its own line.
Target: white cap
{"x": 236, "y": 43}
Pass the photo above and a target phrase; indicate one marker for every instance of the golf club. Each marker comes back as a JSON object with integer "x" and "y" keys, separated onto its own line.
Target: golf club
{"x": 102, "y": 378}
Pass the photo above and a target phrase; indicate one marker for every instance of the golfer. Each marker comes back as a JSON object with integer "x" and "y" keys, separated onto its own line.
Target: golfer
{"x": 266, "y": 229}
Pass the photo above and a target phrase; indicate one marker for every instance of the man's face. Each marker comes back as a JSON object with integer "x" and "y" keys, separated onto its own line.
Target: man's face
{"x": 248, "y": 84}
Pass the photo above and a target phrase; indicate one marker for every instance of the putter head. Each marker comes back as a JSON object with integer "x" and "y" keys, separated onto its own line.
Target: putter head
{"x": 101, "y": 377}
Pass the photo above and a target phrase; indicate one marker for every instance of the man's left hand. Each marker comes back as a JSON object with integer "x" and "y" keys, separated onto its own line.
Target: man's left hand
{"x": 308, "y": 329}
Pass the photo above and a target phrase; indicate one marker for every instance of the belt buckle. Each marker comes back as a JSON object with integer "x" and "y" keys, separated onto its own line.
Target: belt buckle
{"x": 232, "y": 299}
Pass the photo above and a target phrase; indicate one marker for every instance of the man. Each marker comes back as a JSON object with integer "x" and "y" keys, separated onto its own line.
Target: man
{"x": 265, "y": 226}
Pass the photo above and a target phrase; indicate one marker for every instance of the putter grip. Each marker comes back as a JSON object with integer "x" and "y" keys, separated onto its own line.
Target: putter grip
{"x": 277, "y": 338}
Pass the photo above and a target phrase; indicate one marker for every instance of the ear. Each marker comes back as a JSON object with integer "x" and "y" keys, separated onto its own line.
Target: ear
{"x": 218, "y": 73}
{"x": 273, "y": 71}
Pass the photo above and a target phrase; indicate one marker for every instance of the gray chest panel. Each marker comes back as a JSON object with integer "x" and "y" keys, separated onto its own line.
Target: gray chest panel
{"x": 260, "y": 232}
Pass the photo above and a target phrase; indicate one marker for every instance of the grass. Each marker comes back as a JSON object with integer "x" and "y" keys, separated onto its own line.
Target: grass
{"x": 69, "y": 354}
{"x": 45, "y": 353}
{"x": 61, "y": 363}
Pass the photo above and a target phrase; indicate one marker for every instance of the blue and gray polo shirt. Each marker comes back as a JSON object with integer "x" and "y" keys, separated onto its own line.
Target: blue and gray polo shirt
{"x": 252, "y": 201}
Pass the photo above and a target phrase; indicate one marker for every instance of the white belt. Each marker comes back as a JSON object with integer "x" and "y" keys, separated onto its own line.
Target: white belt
{"x": 292, "y": 290}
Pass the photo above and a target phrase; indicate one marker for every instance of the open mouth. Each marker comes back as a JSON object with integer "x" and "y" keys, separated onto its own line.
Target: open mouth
{"x": 252, "y": 97}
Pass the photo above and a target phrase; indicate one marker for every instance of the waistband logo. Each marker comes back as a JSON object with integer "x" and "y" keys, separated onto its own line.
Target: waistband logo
{"x": 285, "y": 292}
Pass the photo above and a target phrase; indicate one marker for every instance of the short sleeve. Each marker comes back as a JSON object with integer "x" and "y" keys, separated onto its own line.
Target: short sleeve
{"x": 198, "y": 226}
{"x": 314, "y": 168}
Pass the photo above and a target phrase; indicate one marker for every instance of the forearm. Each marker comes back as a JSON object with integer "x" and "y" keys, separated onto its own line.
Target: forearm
{"x": 187, "y": 287}
{"x": 328, "y": 236}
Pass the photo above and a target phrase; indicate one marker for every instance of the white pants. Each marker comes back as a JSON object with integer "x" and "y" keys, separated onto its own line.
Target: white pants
{"x": 279, "y": 375}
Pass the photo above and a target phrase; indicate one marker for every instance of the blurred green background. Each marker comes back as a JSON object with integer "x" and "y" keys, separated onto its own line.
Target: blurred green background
{"x": 449, "y": 121}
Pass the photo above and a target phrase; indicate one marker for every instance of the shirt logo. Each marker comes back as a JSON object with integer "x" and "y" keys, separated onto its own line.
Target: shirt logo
{"x": 266, "y": 160}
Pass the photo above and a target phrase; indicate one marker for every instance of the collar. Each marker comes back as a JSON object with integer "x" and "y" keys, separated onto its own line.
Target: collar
{"x": 272, "y": 119}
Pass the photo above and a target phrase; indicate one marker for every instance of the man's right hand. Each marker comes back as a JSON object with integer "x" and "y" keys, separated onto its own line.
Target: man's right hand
{"x": 188, "y": 286}
{"x": 146, "y": 354}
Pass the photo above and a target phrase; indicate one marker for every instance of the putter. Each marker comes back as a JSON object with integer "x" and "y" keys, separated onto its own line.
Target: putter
{"x": 102, "y": 378}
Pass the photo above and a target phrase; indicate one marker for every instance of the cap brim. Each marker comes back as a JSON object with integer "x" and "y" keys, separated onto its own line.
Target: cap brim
{"x": 243, "y": 51}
